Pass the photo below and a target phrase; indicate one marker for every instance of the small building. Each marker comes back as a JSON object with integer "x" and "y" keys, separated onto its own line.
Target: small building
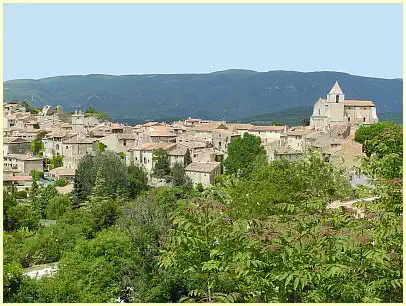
{"x": 23, "y": 163}
{"x": 177, "y": 155}
{"x": 143, "y": 155}
{"x": 287, "y": 153}
{"x": 62, "y": 173}
{"x": 20, "y": 182}
{"x": 222, "y": 139}
{"x": 203, "y": 173}
{"x": 266, "y": 132}
{"x": 75, "y": 148}
{"x": 17, "y": 145}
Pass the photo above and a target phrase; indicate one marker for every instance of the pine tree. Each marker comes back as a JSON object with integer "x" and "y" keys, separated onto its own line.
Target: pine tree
{"x": 187, "y": 158}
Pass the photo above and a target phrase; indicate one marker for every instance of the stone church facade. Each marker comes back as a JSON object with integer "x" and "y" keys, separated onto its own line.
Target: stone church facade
{"x": 336, "y": 110}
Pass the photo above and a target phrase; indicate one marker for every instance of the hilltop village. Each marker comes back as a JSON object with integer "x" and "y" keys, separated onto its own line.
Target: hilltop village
{"x": 204, "y": 142}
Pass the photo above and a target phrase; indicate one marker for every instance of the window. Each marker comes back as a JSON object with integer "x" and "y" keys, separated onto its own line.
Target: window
{"x": 349, "y": 119}
{"x": 363, "y": 119}
{"x": 337, "y": 98}
{"x": 145, "y": 160}
{"x": 124, "y": 142}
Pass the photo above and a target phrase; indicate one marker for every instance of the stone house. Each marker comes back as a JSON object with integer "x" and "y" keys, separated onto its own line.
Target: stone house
{"x": 26, "y": 134}
{"x": 73, "y": 149}
{"x": 78, "y": 121}
{"x": 117, "y": 128}
{"x": 280, "y": 152}
{"x": 62, "y": 173}
{"x": 203, "y": 173}
{"x": 240, "y": 128}
{"x": 16, "y": 146}
{"x": 204, "y": 132}
{"x": 266, "y": 132}
{"x": 53, "y": 143}
{"x": 21, "y": 182}
{"x": 222, "y": 139}
{"x": 23, "y": 163}
{"x": 192, "y": 146}
{"x": 142, "y": 155}
{"x": 177, "y": 155}
{"x": 157, "y": 134}
{"x": 207, "y": 155}
{"x": 118, "y": 142}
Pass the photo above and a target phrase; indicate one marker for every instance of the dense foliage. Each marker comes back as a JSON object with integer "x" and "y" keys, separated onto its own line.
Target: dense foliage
{"x": 106, "y": 164}
{"x": 162, "y": 167}
{"x": 243, "y": 154}
{"x": 92, "y": 112}
{"x": 266, "y": 236}
{"x": 37, "y": 145}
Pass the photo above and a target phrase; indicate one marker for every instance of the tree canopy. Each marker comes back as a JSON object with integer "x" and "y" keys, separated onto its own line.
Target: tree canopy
{"x": 243, "y": 153}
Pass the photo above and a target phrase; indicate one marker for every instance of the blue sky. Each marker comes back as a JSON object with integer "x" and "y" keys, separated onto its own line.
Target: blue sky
{"x": 42, "y": 40}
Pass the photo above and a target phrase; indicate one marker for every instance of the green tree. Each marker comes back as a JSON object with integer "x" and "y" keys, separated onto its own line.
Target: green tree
{"x": 187, "y": 158}
{"x": 161, "y": 163}
{"x": 179, "y": 177}
{"x": 366, "y": 133}
{"x": 36, "y": 175}
{"x": 137, "y": 181}
{"x": 113, "y": 170}
{"x": 61, "y": 182}
{"x": 242, "y": 153}
{"x": 37, "y": 146}
{"x": 16, "y": 215}
{"x": 100, "y": 147}
{"x": 56, "y": 161}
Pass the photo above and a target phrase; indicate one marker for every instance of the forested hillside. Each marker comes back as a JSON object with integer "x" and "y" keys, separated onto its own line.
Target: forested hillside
{"x": 226, "y": 95}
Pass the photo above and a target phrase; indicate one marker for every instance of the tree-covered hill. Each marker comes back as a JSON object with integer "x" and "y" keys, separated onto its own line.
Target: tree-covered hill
{"x": 229, "y": 95}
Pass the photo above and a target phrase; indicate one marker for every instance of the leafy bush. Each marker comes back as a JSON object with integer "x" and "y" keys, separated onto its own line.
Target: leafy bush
{"x": 61, "y": 182}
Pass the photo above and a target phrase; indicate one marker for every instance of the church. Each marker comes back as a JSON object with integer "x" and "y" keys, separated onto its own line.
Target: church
{"x": 336, "y": 110}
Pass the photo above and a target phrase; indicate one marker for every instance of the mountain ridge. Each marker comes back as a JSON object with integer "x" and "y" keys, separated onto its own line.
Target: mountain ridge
{"x": 222, "y": 95}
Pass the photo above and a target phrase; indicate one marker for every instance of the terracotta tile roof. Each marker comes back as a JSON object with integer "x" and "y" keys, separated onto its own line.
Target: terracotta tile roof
{"x": 297, "y": 133}
{"x": 117, "y": 126}
{"x": 15, "y": 140}
{"x": 126, "y": 136}
{"x": 209, "y": 127}
{"x": 79, "y": 140}
{"x": 179, "y": 151}
{"x": 150, "y": 124}
{"x": 161, "y": 131}
{"x": 358, "y": 103}
{"x": 63, "y": 171}
{"x": 260, "y": 128}
{"x": 193, "y": 144}
{"x": 354, "y": 102}
{"x": 22, "y": 157}
{"x": 155, "y": 146}
{"x": 202, "y": 167}
{"x": 239, "y": 126}
{"x": 17, "y": 178}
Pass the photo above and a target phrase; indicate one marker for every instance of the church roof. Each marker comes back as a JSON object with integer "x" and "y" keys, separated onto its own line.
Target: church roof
{"x": 336, "y": 90}
{"x": 358, "y": 103}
